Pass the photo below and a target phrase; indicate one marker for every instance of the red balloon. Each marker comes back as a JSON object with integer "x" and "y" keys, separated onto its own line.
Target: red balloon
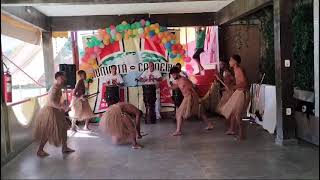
{"x": 89, "y": 50}
{"x": 182, "y": 51}
{"x": 187, "y": 59}
{"x": 112, "y": 26}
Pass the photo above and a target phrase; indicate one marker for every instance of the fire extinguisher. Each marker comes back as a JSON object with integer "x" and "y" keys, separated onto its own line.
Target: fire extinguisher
{"x": 7, "y": 87}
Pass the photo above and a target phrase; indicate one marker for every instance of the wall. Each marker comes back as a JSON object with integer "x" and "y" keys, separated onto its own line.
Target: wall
{"x": 17, "y": 135}
{"x": 246, "y": 41}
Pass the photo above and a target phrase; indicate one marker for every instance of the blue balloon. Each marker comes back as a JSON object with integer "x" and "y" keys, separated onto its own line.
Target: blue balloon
{"x": 152, "y": 33}
{"x": 168, "y": 45}
{"x": 172, "y": 56}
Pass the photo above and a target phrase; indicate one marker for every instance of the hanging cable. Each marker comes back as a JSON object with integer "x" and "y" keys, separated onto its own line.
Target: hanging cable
{"x": 21, "y": 70}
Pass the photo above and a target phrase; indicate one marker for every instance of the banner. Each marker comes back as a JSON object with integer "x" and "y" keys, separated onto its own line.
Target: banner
{"x": 131, "y": 58}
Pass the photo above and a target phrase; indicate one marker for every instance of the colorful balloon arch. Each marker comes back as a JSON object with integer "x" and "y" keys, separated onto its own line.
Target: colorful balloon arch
{"x": 142, "y": 29}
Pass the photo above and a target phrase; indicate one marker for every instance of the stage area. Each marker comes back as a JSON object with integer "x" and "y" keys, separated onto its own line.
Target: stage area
{"x": 197, "y": 154}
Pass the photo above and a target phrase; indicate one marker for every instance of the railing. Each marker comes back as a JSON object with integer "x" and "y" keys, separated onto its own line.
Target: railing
{"x": 25, "y": 100}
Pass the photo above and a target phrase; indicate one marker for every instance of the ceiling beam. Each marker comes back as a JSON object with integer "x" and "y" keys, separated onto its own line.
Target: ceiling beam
{"x": 75, "y": 23}
{"x": 238, "y": 9}
{"x": 28, "y": 15}
{"x": 78, "y": 2}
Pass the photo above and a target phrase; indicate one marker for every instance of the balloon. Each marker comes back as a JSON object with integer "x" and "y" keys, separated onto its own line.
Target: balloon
{"x": 187, "y": 59}
{"x": 182, "y": 51}
{"x": 179, "y": 56}
{"x": 172, "y": 36}
{"x": 160, "y": 35}
{"x": 173, "y": 41}
{"x": 124, "y": 23}
{"x": 111, "y": 41}
{"x": 189, "y": 68}
{"x": 164, "y": 41}
{"x": 138, "y": 25}
{"x": 118, "y": 36}
{"x": 133, "y": 26}
{"x": 172, "y": 56}
{"x": 107, "y": 36}
{"x": 135, "y": 32}
{"x": 101, "y": 46}
{"x": 151, "y": 33}
{"x": 140, "y": 31}
{"x": 88, "y": 50}
{"x": 126, "y": 36}
{"x": 152, "y": 26}
{"x": 96, "y": 50}
{"x": 112, "y": 26}
{"x": 157, "y": 30}
{"x": 168, "y": 45}
{"x": 157, "y": 25}
{"x": 180, "y": 46}
{"x": 147, "y": 29}
{"x": 129, "y": 32}
{"x": 106, "y": 42}
{"x": 92, "y": 56}
{"x": 147, "y": 23}
{"x": 142, "y": 22}
{"x": 108, "y": 30}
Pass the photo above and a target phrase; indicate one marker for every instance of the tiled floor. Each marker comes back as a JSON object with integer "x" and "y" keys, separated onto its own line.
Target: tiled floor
{"x": 197, "y": 154}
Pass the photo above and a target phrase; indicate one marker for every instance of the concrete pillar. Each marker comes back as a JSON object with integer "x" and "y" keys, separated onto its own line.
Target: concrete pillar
{"x": 316, "y": 55}
{"x": 48, "y": 58}
{"x": 283, "y": 45}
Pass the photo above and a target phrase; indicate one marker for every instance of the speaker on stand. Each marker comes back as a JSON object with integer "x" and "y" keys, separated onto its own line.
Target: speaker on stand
{"x": 70, "y": 73}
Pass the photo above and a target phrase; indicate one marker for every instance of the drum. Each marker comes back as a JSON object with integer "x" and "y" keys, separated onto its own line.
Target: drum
{"x": 149, "y": 99}
{"x": 177, "y": 97}
{"x": 112, "y": 95}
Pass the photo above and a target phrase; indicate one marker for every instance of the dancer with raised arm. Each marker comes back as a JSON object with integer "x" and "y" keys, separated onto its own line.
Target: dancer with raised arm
{"x": 234, "y": 109}
{"x": 190, "y": 103}
{"x": 50, "y": 124}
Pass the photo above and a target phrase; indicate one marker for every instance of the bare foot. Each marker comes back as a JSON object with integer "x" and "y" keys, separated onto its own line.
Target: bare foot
{"x": 209, "y": 127}
{"x": 137, "y": 146}
{"x": 139, "y": 136}
{"x": 86, "y": 129}
{"x": 67, "y": 150}
{"x": 42, "y": 154}
{"x": 229, "y": 132}
{"x": 177, "y": 133}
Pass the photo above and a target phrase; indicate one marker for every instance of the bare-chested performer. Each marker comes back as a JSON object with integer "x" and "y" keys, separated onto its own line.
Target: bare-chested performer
{"x": 50, "y": 123}
{"x": 236, "y": 106}
{"x": 117, "y": 122}
{"x": 190, "y": 103}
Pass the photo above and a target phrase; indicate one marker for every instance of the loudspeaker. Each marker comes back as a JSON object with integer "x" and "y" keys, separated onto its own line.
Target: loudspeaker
{"x": 70, "y": 72}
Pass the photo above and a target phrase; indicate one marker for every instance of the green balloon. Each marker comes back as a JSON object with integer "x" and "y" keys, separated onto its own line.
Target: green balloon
{"x": 108, "y": 30}
{"x": 133, "y": 26}
{"x": 138, "y": 25}
{"x": 127, "y": 27}
{"x": 148, "y": 23}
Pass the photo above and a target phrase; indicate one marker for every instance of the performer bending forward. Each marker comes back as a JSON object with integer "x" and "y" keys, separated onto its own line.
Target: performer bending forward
{"x": 117, "y": 122}
{"x": 51, "y": 124}
{"x": 190, "y": 103}
{"x": 80, "y": 108}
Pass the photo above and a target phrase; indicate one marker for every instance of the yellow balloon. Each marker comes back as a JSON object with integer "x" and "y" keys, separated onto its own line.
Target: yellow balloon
{"x": 146, "y": 29}
{"x": 118, "y": 36}
{"x": 152, "y": 26}
{"x": 157, "y": 30}
{"x": 106, "y": 41}
{"x": 164, "y": 40}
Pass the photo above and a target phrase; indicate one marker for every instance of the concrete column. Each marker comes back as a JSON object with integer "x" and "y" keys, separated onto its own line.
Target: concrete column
{"x": 316, "y": 55}
{"x": 48, "y": 58}
{"x": 286, "y": 124}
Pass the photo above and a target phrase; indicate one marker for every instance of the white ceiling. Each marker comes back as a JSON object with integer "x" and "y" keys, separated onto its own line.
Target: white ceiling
{"x": 138, "y": 8}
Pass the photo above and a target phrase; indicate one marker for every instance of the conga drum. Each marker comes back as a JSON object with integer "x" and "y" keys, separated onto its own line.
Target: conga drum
{"x": 177, "y": 97}
{"x": 149, "y": 99}
{"x": 112, "y": 95}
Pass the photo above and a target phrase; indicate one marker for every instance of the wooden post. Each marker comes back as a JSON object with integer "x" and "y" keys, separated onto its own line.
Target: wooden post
{"x": 75, "y": 51}
{"x": 284, "y": 71}
{"x": 48, "y": 58}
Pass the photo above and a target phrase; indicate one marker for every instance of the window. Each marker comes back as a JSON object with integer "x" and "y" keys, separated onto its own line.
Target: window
{"x": 25, "y": 63}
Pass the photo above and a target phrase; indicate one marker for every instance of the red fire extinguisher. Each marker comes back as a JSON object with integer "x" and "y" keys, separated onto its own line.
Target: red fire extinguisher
{"x": 7, "y": 86}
